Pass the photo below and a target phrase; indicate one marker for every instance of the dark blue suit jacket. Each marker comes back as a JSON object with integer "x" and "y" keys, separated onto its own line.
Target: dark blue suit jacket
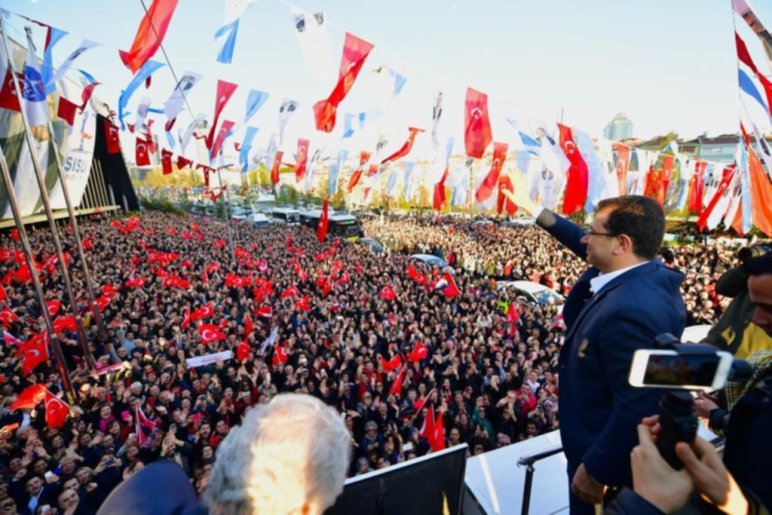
{"x": 599, "y": 410}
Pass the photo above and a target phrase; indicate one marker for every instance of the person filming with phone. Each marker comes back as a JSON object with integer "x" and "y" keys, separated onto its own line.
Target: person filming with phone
{"x": 616, "y": 307}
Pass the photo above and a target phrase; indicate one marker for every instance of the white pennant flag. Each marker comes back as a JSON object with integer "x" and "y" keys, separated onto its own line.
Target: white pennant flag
{"x": 67, "y": 64}
{"x": 176, "y": 101}
{"x": 314, "y": 40}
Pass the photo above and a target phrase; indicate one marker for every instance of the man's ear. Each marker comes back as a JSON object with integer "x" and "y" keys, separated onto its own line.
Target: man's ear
{"x": 624, "y": 246}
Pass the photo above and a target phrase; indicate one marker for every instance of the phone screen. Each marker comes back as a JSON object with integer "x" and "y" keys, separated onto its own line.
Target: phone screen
{"x": 678, "y": 370}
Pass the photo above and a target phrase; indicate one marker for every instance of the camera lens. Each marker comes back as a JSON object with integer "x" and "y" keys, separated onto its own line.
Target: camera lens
{"x": 679, "y": 424}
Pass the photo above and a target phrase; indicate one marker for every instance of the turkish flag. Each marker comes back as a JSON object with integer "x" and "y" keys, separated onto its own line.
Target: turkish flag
{"x": 697, "y": 187}
{"x": 280, "y": 355}
{"x": 391, "y": 365}
{"x": 56, "y": 410}
{"x": 292, "y": 291}
{"x": 419, "y": 405}
{"x": 210, "y": 333}
{"x": 404, "y": 149}
{"x": 419, "y": 352}
{"x": 7, "y": 317}
{"x": 225, "y": 129}
{"x": 8, "y": 98}
{"x": 438, "y": 198}
{"x": 503, "y": 202}
{"x": 275, "y": 167}
{"x": 150, "y": 34}
{"x": 53, "y": 306}
{"x": 396, "y": 386}
{"x": 224, "y": 93}
{"x": 387, "y": 293}
{"x": 166, "y": 161}
{"x": 427, "y": 429}
{"x": 65, "y": 323}
{"x": 3, "y": 293}
{"x": 623, "y": 164}
{"x": 324, "y": 221}
{"x": 242, "y": 351}
{"x": 182, "y": 162}
{"x": 302, "y": 304}
{"x": 205, "y": 311}
{"x": 723, "y": 187}
{"x": 437, "y": 438}
{"x": 489, "y": 183}
{"x": 66, "y": 110}
{"x": 86, "y": 94}
{"x": 355, "y": 51}
{"x": 451, "y": 290}
{"x": 112, "y": 140}
{"x": 512, "y": 315}
{"x": 30, "y": 397}
{"x": 576, "y": 184}
{"x": 302, "y": 159}
{"x": 34, "y": 352}
{"x": 142, "y": 157}
{"x": 477, "y": 132}
{"x": 264, "y": 311}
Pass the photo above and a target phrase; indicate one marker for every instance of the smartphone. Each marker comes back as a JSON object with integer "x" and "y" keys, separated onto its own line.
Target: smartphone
{"x": 669, "y": 369}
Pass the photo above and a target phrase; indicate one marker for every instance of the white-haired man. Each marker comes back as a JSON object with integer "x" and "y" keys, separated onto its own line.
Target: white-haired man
{"x": 288, "y": 456}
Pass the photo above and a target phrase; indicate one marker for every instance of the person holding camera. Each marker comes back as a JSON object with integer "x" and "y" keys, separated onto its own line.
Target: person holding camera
{"x": 703, "y": 482}
{"x": 616, "y": 307}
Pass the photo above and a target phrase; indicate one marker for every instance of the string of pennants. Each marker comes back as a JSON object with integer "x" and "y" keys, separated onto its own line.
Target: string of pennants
{"x": 571, "y": 166}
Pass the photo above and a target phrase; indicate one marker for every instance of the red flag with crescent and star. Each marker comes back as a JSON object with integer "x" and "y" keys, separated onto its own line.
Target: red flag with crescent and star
{"x": 477, "y": 125}
{"x": 141, "y": 155}
{"x": 576, "y": 183}
{"x": 34, "y": 352}
{"x": 302, "y": 159}
{"x": 56, "y": 410}
{"x": 406, "y": 148}
{"x": 225, "y": 91}
{"x": 489, "y": 183}
{"x": 275, "y": 167}
{"x": 112, "y": 140}
{"x": 324, "y": 221}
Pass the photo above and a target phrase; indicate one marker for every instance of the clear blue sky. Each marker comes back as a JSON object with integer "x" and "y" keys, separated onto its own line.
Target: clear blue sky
{"x": 669, "y": 65}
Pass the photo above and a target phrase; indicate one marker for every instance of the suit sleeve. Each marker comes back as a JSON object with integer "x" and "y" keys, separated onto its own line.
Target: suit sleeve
{"x": 608, "y": 459}
{"x": 565, "y": 231}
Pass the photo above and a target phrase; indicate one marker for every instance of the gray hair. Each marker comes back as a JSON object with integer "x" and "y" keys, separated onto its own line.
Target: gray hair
{"x": 287, "y": 453}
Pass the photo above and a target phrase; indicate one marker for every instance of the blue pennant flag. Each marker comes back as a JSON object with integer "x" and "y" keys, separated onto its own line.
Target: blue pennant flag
{"x": 409, "y": 165}
{"x": 225, "y": 55}
{"x": 246, "y": 145}
{"x": 255, "y": 101}
{"x": 142, "y": 74}
{"x": 334, "y": 172}
{"x": 47, "y": 70}
{"x": 747, "y": 85}
{"x": 399, "y": 81}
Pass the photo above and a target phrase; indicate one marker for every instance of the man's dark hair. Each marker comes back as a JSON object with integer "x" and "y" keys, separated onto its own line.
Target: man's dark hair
{"x": 640, "y": 218}
{"x": 761, "y": 265}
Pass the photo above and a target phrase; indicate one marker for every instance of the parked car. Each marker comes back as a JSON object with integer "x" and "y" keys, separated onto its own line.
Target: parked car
{"x": 433, "y": 261}
{"x": 534, "y": 292}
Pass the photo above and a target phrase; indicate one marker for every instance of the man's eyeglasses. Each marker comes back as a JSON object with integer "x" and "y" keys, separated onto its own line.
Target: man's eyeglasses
{"x": 590, "y": 232}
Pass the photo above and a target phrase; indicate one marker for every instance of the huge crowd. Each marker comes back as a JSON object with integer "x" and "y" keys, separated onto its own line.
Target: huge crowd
{"x": 375, "y": 335}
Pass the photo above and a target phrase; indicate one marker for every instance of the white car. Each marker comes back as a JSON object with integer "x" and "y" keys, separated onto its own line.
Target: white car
{"x": 534, "y": 292}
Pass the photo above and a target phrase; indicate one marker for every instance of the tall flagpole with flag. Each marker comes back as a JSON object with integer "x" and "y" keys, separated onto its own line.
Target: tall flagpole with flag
{"x": 81, "y": 255}
{"x": 32, "y": 98}
{"x": 61, "y": 364}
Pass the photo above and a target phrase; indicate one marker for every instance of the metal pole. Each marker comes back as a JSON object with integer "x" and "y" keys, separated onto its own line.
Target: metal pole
{"x": 227, "y": 210}
{"x": 527, "y": 489}
{"x": 46, "y": 204}
{"x": 58, "y": 354}
{"x": 83, "y": 264}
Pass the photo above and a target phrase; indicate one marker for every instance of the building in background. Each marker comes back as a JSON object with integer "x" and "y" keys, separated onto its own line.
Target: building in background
{"x": 618, "y": 129}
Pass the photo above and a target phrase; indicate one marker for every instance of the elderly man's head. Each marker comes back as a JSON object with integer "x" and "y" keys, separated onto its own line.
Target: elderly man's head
{"x": 287, "y": 456}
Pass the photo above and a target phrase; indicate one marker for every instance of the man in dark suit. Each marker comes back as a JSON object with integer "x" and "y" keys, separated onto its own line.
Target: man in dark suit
{"x": 37, "y": 493}
{"x": 616, "y": 307}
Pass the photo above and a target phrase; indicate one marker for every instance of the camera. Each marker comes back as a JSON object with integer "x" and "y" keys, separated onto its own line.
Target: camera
{"x": 681, "y": 367}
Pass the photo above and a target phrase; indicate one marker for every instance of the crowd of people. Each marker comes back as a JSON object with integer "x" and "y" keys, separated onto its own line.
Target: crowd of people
{"x": 410, "y": 365}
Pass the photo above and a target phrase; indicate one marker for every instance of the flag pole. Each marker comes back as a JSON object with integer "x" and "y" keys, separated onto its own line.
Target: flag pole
{"x": 83, "y": 264}
{"x": 61, "y": 364}
{"x": 227, "y": 210}
{"x": 46, "y": 203}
